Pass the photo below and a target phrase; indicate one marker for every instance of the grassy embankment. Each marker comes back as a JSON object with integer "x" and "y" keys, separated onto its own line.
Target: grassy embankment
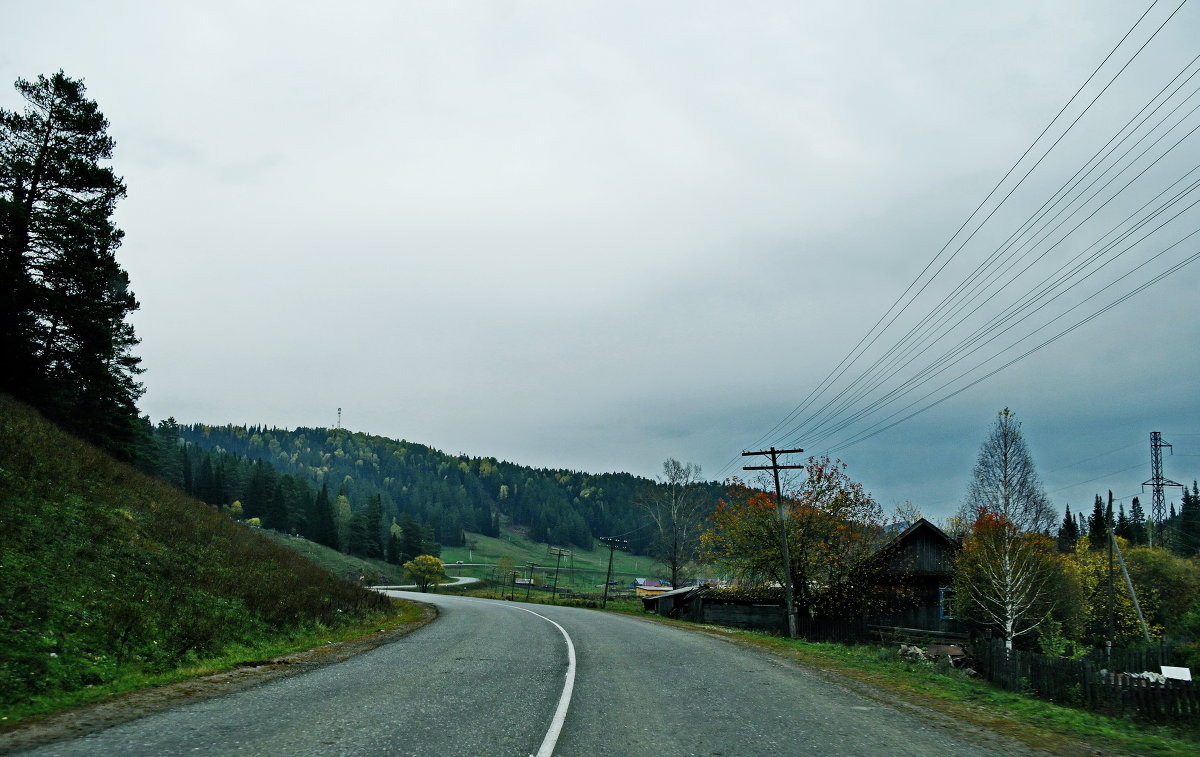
{"x": 113, "y": 580}
{"x": 360, "y": 569}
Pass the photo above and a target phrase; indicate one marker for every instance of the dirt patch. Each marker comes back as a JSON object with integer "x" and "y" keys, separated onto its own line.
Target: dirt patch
{"x": 81, "y": 721}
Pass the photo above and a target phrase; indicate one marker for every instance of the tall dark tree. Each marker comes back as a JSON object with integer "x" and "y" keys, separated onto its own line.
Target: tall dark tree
{"x": 1137, "y": 522}
{"x": 373, "y": 514}
{"x": 1068, "y": 532}
{"x": 1187, "y": 541}
{"x": 1005, "y": 482}
{"x": 321, "y": 526}
{"x": 414, "y": 540}
{"x": 1097, "y": 526}
{"x": 1123, "y": 526}
{"x": 365, "y": 530}
{"x": 393, "y": 548}
{"x": 275, "y": 513}
{"x": 64, "y": 299}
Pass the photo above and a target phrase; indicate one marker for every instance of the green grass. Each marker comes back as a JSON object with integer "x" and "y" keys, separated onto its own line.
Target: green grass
{"x": 1041, "y": 724}
{"x": 108, "y": 573}
{"x": 373, "y": 572}
{"x": 583, "y": 571}
{"x": 135, "y": 677}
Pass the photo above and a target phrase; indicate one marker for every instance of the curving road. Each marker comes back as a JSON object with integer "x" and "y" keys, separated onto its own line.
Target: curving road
{"x": 488, "y": 678}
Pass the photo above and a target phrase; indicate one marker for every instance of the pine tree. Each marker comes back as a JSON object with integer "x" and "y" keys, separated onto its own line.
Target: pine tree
{"x": 64, "y": 299}
{"x": 321, "y": 525}
{"x": 413, "y": 541}
{"x": 1137, "y": 522}
{"x": 275, "y": 514}
{"x": 1068, "y": 532}
{"x": 1187, "y": 543}
{"x": 1123, "y": 527}
{"x": 1097, "y": 526}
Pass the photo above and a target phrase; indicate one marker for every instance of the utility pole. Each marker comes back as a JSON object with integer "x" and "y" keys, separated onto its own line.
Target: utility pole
{"x": 529, "y": 585}
{"x": 775, "y": 467}
{"x": 1112, "y": 539}
{"x": 613, "y": 544}
{"x": 558, "y": 554}
{"x": 1158, "y": 506}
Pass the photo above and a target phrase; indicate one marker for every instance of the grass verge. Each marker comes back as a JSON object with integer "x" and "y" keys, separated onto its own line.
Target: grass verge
{"x": 133, "y": 678}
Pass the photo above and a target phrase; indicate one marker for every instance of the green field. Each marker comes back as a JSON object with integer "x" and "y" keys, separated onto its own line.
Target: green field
{"x": 582, "y": 571}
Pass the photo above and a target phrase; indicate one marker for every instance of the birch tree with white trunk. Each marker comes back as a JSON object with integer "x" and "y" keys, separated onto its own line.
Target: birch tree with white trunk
{"x": 1006, "y": 578}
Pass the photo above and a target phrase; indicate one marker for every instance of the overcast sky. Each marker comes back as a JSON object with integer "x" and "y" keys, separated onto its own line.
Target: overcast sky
{"x": 595, "y": 235}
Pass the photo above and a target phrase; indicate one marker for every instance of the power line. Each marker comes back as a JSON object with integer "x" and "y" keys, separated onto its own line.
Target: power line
{"x": 883, "y": 363}
{"x": 929, "y": 374}
{"x": 856, "y": 352}
{"x": 1031, "y": 298}
{"x": 1098, "y": 478}
{"x": 1094, "y": 457}
{"x": 1134, "y": 150}
{"x": 863, "y": 435}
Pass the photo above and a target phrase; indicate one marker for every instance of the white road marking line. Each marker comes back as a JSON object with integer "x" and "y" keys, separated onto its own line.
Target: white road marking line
{"x": 564, "y": 701}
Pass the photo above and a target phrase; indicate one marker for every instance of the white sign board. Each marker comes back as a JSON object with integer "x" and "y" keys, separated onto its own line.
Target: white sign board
{"x": 1179, "y": 674}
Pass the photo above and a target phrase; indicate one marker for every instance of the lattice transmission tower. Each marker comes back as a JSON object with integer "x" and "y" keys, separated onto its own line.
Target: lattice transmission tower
{"x": 1158, "y": 506}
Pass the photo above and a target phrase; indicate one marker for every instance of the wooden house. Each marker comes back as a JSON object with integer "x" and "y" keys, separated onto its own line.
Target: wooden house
{"x": 912, "y": 572}
{"x": 918, "y": 568}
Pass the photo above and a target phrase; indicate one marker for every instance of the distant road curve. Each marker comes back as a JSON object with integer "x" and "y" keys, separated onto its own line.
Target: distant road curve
{"x": 454, "y": 581}
{"x": 490, "y": 678}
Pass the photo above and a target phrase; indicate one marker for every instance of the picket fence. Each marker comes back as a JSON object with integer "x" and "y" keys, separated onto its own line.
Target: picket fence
{"x": 1103, "y": 681}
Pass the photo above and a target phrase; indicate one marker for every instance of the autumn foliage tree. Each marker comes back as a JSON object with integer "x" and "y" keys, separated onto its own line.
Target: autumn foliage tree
{"x": 833, "y": 531}
{"x": 1006, "y": 578}
{"x": 425, "y": 571}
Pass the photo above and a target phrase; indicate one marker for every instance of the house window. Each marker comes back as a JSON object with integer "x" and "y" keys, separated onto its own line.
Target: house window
{"x": 946, "y": 603}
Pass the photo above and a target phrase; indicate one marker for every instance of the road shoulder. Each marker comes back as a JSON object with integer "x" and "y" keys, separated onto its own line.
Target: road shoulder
{"x": 95, "y": 717}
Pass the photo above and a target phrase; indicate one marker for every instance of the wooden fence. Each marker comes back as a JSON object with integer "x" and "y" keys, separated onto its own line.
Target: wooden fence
{"x": 1107, "y": 686}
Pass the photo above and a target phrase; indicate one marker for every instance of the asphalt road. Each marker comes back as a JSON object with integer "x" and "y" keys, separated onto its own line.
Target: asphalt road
{"x": 488, "y": 678}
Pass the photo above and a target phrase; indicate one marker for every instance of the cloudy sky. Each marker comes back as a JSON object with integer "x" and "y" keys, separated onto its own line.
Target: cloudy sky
{"x": 595, "y": 235}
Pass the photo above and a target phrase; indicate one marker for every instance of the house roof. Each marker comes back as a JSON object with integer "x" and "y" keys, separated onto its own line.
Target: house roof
{"x": 919, "y": 525}
{"x": 679, "y": 592}
{"x": 651, "y": 583}
{"x": 919, "y": 535}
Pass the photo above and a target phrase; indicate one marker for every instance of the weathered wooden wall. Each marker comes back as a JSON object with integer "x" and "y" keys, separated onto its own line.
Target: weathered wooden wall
{"x": 753, "y": 617}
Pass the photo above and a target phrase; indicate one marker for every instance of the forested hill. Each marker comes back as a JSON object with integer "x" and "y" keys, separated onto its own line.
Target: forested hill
{"x": 452, "y": 494}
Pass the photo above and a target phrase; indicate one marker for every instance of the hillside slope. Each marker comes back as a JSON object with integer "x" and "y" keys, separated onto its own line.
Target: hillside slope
{"x": 453, "y": 494}
{"x": 106, "y": 570}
